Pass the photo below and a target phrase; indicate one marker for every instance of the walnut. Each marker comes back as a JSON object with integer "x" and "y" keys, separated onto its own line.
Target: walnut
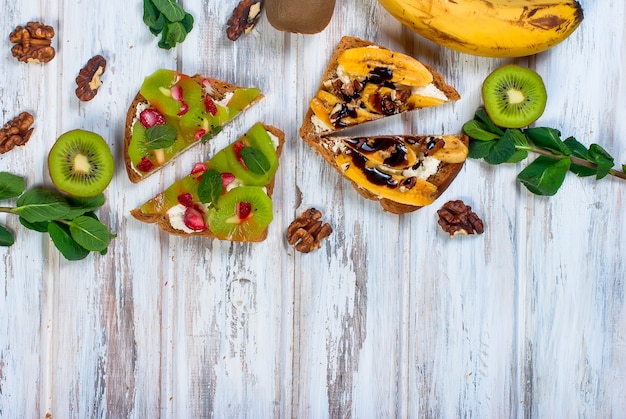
{"x": 88, "y": 79}
{"x": 307, "y": 231}
{"x": 457, "y": 218}
{"x": 33, "y": 43}
{"x": 16, "y": 132}
{"x": 245, "y": 16}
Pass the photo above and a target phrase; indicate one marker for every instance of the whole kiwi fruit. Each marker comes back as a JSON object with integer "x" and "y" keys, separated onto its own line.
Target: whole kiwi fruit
{"x": 296, "y": 16}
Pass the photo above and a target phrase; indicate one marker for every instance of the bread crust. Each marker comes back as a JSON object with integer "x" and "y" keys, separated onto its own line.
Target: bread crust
{"x": 220, "y": 89}
{"x": 163, "y": 221}
{"x": 444, "y": 176}
{"x": 348, "y": 42}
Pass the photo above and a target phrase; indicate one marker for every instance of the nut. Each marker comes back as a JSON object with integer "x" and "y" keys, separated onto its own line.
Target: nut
{"x": 307, "y": 231}
{"x": 455, "y": 217}
{"x": 33, "y": 43}
{"x": 245, "y": 16}
{"x": 88, "y": 79}
{"x": 16, "y": 132}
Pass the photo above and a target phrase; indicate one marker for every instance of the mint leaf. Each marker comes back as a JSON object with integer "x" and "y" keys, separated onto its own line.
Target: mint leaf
{"x": 37, "y": 205}
{"x": 40, "y": 226}
{"x": 160, "y": 136}
{"x": 548, "y": 139}
{"x": 90, "y": 233}
{"x": 6, "y": 237}
{"x": 10, "y": 185}
{"x": 151, "y": 14}
{"x": 214, "y": 131}
{"x": 175, "y": 33}
{"x": 187, "y": 22}
{"x": 545, "y": 175}
{"x": 580, "y": 151}
{"x": 158, "y": 26}
{"x": 210, "y": 187}
{"x": 521, "y": 145}
{"x": 477, "y": 131}
{"x": 480, "y": 149}
{"x": 603, "y": 160}
{"x": 79, "y": 206}
{"x": 170, "y": 9}
{"x": 482, "y": 115}
{"x": 62, "y": 239}
{"x": 255, "y": 160}
{"x": 503, "y": 150}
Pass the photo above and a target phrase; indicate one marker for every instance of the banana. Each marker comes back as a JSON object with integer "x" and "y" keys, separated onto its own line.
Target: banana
{"x": 490, "y": 28}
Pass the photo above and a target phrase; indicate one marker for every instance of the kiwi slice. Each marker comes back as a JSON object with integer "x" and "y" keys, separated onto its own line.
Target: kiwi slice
{"x": 81, "y": 164}
{"x": 241, "y": 214}
{"x": 159, "y": 89}
{"x": 514, "y": 96}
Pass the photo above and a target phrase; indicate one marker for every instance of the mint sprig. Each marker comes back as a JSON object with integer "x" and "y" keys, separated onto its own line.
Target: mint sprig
{"x": 546, "y": 174}
{"x": 168, "y": 18}
{"x": 71, "y": 222}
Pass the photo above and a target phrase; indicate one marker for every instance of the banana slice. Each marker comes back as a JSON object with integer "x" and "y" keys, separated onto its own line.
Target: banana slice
{"x": 454, "y": 151}
{"x": 384, "y": 64}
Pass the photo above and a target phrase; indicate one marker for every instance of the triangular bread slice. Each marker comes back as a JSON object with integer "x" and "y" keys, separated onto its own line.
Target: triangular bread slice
{"x": 168, "y": 208}
{"x": 219, "y": 92}
{"x": 364, "y": 81}
{"x": 402, "y": 172}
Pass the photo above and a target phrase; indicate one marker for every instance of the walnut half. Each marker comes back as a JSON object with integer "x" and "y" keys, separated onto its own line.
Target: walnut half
{"x": 244, "y": 18}
{"x": 455, "y": 217}
{"x": 16, "y": 132}
{"x": 307, "y": 231}
{"x": 33, "y": 43}
{"x": 88, "y": 79}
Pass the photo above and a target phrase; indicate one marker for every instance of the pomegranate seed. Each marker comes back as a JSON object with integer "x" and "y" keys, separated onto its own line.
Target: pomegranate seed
{"x": 145, "y": 165}
{"x": 177, "y": 92}
{"x": 151, "y": 117}
{"x": 243, "y": 210}
{"x": 199, "y": 168}
{"x": 185, "y": 199}
{"x": 184, "y": 108}
{"x": 210, "y": 106}
{"x": 237, "y": 147}
{"x": 227, "y": 178}
{"x": 199, "y": 134}
{"x": 194, "y": 219}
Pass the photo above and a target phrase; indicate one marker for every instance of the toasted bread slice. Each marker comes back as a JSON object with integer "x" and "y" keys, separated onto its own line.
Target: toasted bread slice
{"x": 164, "y": 209}
{"x": 364, "y": 81}
{"x": 216, "y": 91}
{"x": 402, "y": 172}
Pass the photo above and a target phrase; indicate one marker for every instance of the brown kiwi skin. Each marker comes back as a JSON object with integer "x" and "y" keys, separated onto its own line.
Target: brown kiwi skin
{"x": 297, "y": 16}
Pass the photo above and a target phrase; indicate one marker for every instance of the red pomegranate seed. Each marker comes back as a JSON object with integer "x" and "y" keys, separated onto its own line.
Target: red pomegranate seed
{"x": 177, "y": 92}
{"x": 151, "y": 117}
{"x": 145, "y": 165}
{"x": 185, "y": 199}
{"x": 199, "y": 168}
{"x": 227, "y": 178}
{"x": 210, "y": 106}
{"x": 237, "y": 147}
{"x": 243, "y": 210}
{"x": 199, "y": 134}
{"x": 184, "y": 108}
{"x": 194, "y": 219}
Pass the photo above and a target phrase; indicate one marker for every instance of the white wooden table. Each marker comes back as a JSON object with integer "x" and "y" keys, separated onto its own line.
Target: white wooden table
{"x": 391, "y": 318}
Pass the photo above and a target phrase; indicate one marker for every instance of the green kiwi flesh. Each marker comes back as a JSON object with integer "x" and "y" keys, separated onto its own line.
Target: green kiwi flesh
{"x": 81, "y": 164}
{"x": 514, "y": 96}
{"x": 223, "y": 218}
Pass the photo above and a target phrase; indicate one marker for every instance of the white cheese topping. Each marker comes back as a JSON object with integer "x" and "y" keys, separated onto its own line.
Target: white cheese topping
{"x": 177, "y": 218}
{"x": 429, "y": 167}
{"x": 430, "y": 90}
{"x": 224, "y": 102}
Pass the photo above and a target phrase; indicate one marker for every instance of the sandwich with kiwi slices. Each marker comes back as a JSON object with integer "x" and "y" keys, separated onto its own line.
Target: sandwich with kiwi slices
{"x": 172, "y": 112}
{"x": 227, "y": 197}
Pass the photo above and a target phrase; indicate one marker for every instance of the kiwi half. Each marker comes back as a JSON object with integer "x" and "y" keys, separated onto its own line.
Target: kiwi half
{"x": 81, "y": 164}
{"x": 514, "y": 96}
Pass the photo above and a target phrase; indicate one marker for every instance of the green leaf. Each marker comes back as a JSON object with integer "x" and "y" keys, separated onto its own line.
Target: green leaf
{"x": 545, "y": 175}
{"x": 476, "y": 130}
{"x": 90, "y": 233}
{"x": 255, "y": 160}
{"x": 40, "y": 226}
{"x": 6, "y": 237}
{"x": 580, "y": 151}
{"x": 172, "y": 10}
{"x": 79, "y": 206}
{"x": 175, "y": 33}
{"x": 214, "y": 131}
{"x": 158, "y": 26}
{"x": 503, "y": 150}
{"x": 37, "y": 205}
{"x": 160, "y": 136}
{"x": 62, "y": 239}
{"x": 210, "y": 187}
{"x": 164, "y": 42}
{"x": 482, "y": 115}
{"x": 11, "y": 185}
{"x": 150, "y": 13}
{"x": 521, "y": 146}
{"x": 603, "y": 160}
{"x": 480, "y": 149}
{"x": 187, "y": 22}
{"x": 624, "y": 168}
{"x": 548, "y": 139}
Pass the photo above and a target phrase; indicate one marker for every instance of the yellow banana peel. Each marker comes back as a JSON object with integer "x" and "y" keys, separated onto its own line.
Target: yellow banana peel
{"x": 490, "y": 28}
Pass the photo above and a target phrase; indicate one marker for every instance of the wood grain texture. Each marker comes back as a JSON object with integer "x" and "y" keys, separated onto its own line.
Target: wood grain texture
{"x": 390, "y": 318}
